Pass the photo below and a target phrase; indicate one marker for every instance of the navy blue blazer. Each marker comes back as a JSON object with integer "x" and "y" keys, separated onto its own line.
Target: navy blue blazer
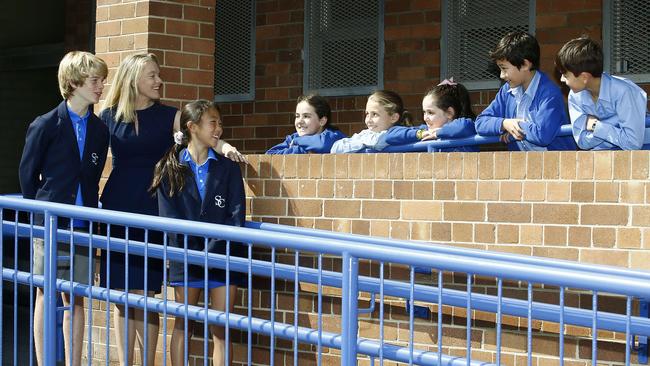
{"x": 50, "y": 168}
{"x": 224, "y": 203}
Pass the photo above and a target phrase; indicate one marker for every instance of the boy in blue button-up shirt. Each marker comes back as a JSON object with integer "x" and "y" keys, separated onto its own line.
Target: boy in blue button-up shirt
{"x": 528, "y": 110}
{"x": 63, "y": 159}
{"x": 607, "y": 112}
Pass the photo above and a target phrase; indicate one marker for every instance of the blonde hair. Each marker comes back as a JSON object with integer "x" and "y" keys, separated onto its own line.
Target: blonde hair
{"x": 75, "y": 68}
{"x": 392, "y": 103}
{"x": 124, "y": 89}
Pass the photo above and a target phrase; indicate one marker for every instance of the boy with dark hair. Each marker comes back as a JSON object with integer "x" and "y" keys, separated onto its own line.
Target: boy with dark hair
{"x": 607, "y": 112}
{"x": 528, "y": 110}
{"x": 63, "y": 159}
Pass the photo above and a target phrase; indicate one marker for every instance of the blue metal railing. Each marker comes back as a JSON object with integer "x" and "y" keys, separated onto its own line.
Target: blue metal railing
{"x": 351, "y": 249}
{"x": 424, "y": 146}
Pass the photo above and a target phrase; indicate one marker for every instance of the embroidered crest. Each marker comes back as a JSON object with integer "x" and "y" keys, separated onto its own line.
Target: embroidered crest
{"x": 94, "y": 158}
{"x": 219, "y": 202}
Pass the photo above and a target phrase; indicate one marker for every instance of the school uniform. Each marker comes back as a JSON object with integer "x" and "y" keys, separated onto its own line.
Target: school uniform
{"x": 62, "y": 162}
{"x": 51, "y": 168}
{"x": 541, "y": 106}
{"x": 365, "y": 139}
{"x": 454, "y": 129}
{"x": 320, "y": 143}
{"x": 135, "y": 154}
{"x": 213, "y": 193}
{"x": 621, "y": 111}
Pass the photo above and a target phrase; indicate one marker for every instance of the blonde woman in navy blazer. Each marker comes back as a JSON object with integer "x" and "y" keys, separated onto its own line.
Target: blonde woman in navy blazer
{"x": 192, "y": 182}
{"x": 63, "y": 159}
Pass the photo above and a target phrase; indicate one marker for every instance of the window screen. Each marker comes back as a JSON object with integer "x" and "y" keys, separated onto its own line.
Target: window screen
{"x": 470, "y": 29}
{"x": 626, "y": 38}
{"x": 343, "y": 46}
{"x": 234, "y": 59}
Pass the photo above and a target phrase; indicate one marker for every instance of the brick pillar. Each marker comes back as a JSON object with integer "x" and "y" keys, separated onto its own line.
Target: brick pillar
{"x": 181, "y": 34}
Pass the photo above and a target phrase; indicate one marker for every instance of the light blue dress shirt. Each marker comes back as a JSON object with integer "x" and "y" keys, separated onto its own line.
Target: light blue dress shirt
{"x": 620, "y": 108}
{"x": 200, "y": 171}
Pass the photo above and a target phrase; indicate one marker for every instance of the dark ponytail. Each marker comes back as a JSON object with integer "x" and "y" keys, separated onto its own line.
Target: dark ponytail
{"x": 169, "y": 168}
{"x": 453, "y": 95}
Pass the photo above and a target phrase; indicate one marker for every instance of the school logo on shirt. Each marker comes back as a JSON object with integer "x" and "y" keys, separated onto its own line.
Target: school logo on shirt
{"x": 219, "y": 202}
{"x": 94, "y": 158}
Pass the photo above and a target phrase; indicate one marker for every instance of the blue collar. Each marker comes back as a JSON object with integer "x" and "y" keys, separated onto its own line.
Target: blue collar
{"x": 605, "y": 87}
{"x": 186, "y": 157}
{"x": 75, "y": 117}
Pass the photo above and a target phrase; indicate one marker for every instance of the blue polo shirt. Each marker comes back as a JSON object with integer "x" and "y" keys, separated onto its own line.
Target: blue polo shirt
{"x": 545, "y": 115}
{"x": 79, "y": 125}
{"x": 200, "y": 171}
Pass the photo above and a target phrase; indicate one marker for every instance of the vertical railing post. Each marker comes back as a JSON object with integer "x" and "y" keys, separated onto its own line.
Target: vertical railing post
{"x": 349, "y": 310}
{"x": 49, "y": 289}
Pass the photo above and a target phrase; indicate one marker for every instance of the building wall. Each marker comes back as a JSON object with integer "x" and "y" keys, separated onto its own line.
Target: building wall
{"x": 580, "y": 206}
{"x": 181, "y": 34}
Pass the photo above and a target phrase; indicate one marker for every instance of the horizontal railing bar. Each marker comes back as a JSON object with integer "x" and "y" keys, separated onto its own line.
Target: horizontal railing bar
{"x": 532, "y": 273}
{"x": 260, "y": 326}
{"x": 482, "y": 302}
{"x": 427, "y": 247}
{"x": 447, "y": 249}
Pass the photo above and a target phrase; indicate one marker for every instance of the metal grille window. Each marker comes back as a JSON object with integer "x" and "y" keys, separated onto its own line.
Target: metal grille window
{"x": 234, "y": 66}
{"x": 626, "y": 34}
{"x": 470, "y": 29}
{"x": 343, "y": 46}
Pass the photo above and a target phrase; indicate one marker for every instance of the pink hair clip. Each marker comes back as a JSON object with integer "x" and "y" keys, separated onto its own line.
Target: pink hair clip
{"x": 449, "y": 82}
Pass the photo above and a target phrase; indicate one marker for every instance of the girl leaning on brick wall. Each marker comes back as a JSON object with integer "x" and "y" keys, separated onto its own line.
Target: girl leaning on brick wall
{"x": 447, "y": 115}
{"x": 315, "y": 132}
{"x": 384, "y": 111}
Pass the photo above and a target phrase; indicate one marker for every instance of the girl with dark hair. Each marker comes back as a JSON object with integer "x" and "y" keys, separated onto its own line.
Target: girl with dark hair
{"x": 314, "y": 130}
{"x": 384, "y": 110}
{"x": 194, "y": 183}
{"x": 447, "y": 115}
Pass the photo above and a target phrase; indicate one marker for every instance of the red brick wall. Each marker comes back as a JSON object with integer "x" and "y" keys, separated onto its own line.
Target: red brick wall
{"x": 181, "y": 34}
{"x": 411, "y": 64}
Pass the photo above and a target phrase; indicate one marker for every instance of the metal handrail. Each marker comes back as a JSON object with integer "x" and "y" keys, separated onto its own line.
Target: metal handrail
{"x": 566, "y": 277}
